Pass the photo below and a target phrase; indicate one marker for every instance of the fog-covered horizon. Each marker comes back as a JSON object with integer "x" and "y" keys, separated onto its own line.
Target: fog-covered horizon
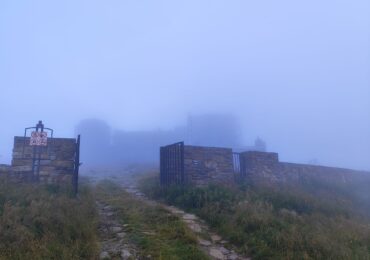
{"x": 294, "y": 74}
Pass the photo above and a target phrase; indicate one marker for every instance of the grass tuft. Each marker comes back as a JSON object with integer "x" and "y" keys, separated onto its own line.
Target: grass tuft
{"x": 46, "y": 222}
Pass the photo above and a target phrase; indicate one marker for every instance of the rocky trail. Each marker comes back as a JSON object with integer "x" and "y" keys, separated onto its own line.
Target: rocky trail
{"x": 115, "y": 246}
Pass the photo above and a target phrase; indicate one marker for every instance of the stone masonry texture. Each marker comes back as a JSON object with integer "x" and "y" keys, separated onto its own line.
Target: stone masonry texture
{"x": 265, "y": 168}
{"x": 57, "y": 160}
{"x": 204, "y": 165}
{"x": 208, "y": 164}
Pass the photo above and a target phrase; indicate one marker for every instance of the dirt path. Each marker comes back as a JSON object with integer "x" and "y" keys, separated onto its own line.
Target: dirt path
{"x": 114, "y": 244}
{"x": 211, "y": 243}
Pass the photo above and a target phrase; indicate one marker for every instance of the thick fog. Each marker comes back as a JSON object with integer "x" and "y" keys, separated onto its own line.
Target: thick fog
{"x": 295, "y": 74}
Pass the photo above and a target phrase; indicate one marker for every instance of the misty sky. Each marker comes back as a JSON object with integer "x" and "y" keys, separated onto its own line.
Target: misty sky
{"x": 296, "y": 73}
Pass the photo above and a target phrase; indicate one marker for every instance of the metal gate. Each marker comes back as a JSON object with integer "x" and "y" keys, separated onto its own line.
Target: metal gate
{"x": 40, "y": 143}
{"x": 172, "y": 164}
{"x": 42, "y": 150}
{"x": 77, "y": 165}
{"x": 239, "y": 166}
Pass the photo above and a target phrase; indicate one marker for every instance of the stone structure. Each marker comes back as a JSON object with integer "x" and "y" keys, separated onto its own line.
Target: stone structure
{"x": 206, "y": 164}
{"x": 255, "y": 165}
{"x": 201, "y": 165}
{"x": 196, "y": 165}
{"x": 265, "y": 168}
{"x": 57, "y": 164}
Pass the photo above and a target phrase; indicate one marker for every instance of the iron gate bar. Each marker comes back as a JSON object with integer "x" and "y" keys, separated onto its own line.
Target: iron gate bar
{"x": 181, "y": 148}
{"x": 176, "y": 164}
{"x": 77, "y": 165}
{"x": 178, "y": 155}
{"x": 36, "y": 151}
{"x": 239, "y": 165}
{"x": 236, "y": 162}
{"x": 160, "y": 165}
{"x": 172, "y": 164}
{"x": 243, "y": 168}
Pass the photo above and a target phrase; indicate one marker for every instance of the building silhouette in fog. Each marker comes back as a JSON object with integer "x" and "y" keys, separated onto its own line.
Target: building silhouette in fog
{"x": 102, "y": 145}
{"x": 214, "y": 130}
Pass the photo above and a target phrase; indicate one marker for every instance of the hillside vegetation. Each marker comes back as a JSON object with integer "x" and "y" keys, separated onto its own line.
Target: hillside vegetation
{"x": 45, "y": 222}
{"x": 301, "y": 222}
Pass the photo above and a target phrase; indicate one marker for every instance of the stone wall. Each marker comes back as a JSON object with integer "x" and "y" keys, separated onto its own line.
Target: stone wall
{"x": 203, "y": 165}
{"x": 265, "y": 168}
{"x": 302, "y": 173}
{"x": 256, "y": 165}
{"x": 57, "y": 160}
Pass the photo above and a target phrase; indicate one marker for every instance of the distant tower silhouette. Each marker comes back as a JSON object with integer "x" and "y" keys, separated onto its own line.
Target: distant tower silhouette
{"x": 260, "y": 145}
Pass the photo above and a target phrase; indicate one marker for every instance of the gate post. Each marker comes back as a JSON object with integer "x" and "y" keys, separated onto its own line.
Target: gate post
{"x": 76, "y": 166}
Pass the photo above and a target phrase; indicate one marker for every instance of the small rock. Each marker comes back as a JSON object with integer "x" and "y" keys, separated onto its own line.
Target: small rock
{"x": 125, "y": 254}
{"x": 233, "y": 257}
{"x": 174, "y": 210}
{"x": 109, "y": 214}
{"x": 195, "y": 227}
{"x": 121, "y": 235}
{"x": 104, "y": 255}
{"x": 216, "y": 253}
{"x": 189, "y": 217}
{"x": 224, "y": 251}
{"x": 204, "y": 242}
{"x": 215, "y": 238}
{"x": 116, "y": 229}
{"x": 189, "y": 221}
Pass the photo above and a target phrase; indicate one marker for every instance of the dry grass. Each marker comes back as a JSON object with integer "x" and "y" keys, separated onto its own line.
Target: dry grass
{"x": 278, "y": 223}
{"x": 45, "y": 222}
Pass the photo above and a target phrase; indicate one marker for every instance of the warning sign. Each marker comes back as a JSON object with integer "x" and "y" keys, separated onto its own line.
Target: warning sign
{"x": 39, "y": 139}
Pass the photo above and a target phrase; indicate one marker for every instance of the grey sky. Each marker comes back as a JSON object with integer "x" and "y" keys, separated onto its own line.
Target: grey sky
{"x": 296, "y": 73}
